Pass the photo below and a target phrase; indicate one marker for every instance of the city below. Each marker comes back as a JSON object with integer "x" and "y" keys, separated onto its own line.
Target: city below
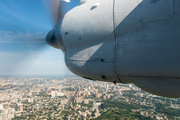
{"x": 75, "y": 98}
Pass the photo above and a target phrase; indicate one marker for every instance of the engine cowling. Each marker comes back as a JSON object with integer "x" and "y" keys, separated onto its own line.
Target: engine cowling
{"x": 98, "y": 49}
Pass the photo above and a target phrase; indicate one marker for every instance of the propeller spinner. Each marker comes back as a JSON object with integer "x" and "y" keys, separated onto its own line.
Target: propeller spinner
{"x": 57, "y": 9}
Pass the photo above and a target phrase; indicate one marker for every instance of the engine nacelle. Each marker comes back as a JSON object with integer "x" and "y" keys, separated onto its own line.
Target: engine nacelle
{"x": 89, "y": 41}
{"x": 162, "y": 87}
{"x": 112, "y": 45}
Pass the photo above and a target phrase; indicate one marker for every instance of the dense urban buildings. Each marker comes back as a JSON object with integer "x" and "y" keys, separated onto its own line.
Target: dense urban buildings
{"x": 75, "y": 98}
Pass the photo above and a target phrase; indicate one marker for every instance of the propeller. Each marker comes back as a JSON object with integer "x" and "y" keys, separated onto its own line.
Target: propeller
{"x": 55, "y": 10}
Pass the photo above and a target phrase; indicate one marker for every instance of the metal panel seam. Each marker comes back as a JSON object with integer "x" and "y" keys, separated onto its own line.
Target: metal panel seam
{"x": 116, "y": 45}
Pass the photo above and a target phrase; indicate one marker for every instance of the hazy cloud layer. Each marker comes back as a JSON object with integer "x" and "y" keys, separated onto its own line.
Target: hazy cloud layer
{"x": 49, "y": 62}
{"x": 23, "y": 49}
{"x": 13, "y": 37}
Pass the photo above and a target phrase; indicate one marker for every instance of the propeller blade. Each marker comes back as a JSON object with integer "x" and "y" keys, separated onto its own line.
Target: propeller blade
{"x": 64, "y": 7}
{"x": 23, "y": 35}
{"x": 56, "y": 9}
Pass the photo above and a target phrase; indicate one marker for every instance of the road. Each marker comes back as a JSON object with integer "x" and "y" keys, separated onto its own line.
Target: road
{"x": 70, "y": 99}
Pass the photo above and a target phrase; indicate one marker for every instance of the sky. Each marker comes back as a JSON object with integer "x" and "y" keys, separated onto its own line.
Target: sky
{"x": 24, "y": 25}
